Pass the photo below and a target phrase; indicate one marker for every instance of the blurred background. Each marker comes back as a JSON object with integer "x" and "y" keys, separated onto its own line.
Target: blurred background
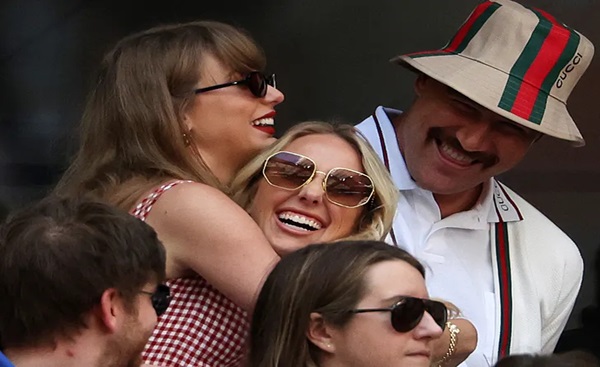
{"x": 331, "y": 60}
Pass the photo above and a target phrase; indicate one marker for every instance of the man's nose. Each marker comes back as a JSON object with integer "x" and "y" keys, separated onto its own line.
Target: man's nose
{"x": 475, "y": 136}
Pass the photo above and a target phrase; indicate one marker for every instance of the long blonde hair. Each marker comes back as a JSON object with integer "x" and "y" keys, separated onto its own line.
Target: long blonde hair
{"x": 132, "y": 135}
{"x": 377, "y": 219}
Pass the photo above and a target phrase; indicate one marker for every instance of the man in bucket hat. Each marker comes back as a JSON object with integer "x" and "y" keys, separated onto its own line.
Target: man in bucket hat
{"x": 481, "y": 101}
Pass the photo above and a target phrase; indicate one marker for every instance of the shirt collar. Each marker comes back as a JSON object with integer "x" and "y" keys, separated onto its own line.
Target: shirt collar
{"x": 383, "y": 118}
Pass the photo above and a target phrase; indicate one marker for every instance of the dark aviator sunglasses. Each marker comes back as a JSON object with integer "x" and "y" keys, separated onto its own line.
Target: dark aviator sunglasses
{"x": 408, "y": 312}
{"x": 257, "y": 83}
{"x": 160, "y": 298}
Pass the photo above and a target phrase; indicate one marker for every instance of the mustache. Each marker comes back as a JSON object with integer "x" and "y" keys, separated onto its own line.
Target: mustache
{"x": 486, "y": 159}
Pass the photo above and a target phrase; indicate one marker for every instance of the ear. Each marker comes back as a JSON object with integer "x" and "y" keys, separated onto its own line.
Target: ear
{"x": 319, "y": 333}
{"x": 111, "y": 309}
{"x": 420, "y": 83}
{"x": 187, "y": 122}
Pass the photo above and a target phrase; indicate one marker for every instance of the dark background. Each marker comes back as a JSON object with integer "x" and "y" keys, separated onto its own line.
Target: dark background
{"x": 331, "y": 60}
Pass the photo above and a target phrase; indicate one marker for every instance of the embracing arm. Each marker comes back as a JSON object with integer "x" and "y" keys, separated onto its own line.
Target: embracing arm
{"x": 206, "y": 232}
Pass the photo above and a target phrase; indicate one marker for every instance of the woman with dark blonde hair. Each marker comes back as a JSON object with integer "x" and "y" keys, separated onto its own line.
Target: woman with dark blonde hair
{"x": 350, "y": 303}
{"x": 175, "y": 112}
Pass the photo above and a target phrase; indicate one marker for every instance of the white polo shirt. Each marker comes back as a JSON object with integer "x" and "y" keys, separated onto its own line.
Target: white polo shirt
{"x": 456, "y": 250}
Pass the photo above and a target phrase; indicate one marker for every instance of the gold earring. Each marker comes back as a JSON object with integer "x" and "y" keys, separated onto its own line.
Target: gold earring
{"x": 186, "y": 139}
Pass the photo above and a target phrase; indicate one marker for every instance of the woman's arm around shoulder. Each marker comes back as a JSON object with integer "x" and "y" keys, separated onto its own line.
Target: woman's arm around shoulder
{"x": 204, "y": 231}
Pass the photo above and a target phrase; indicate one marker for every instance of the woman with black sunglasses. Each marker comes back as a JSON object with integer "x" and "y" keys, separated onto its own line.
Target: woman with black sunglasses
{"x": 175, "y": 112}
{"x": 350, "y": 303}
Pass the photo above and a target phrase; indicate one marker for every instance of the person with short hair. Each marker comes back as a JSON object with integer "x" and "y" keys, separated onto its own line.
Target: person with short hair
{"x": 348, "y": 303}
{"x": 80, "y": 284}
{"x": 481, "y": 102}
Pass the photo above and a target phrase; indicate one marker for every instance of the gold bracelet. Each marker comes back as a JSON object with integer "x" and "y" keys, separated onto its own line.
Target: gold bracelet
{"x": 454, "y": 330}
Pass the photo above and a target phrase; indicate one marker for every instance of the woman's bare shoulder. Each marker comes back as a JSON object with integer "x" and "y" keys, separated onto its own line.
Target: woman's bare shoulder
{"x": 206, "y": 232}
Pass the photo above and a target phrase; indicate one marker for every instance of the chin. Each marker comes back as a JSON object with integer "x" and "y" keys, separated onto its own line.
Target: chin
{"x": 439, "y": 185}
{"x": 286, "y": 248}
{"x": 268, "y": 141}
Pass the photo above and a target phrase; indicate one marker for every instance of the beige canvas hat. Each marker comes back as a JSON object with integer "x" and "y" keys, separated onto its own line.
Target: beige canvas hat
{"x": 519, "y": 62}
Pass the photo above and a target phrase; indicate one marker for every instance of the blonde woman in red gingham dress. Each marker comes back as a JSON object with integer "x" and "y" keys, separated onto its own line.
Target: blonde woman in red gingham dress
{"x": 150, "y": 122}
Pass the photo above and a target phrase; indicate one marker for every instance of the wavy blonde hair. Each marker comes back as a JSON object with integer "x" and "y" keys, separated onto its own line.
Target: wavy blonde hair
{"x": 377, "y": 218}
{"x": 132, "y": 126}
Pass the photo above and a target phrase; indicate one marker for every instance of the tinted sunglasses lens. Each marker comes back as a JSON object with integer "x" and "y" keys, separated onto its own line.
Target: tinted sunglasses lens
{"x": 438, "y": 312}
{"x": 288, "y": 170}
{"x": 407, "y": 314}
{"x": 257, "y": 84}
{"x": 161, "y": 299}
{"x": 348, "y": 188}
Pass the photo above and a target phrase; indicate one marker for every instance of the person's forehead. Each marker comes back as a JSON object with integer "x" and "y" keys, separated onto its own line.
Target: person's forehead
{"x": 388, "y": 280}
{"x": 326, "y": 150}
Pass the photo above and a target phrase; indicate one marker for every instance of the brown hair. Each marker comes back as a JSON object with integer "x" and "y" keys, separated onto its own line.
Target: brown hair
{"x": 324, "y": 278}
{"x": 57, "y": 257}
{"x": 131, "y": 129}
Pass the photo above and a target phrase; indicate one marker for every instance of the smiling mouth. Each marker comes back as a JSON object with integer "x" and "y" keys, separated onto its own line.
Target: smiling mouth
{"x": 455, "y": 155}
{"x": 298, "y": 221}
{"x": 264, "y": 122}
{"x": 451, "y": 149}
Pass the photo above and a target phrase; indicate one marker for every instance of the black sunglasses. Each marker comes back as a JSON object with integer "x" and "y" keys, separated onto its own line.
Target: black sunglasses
{"x": 256, "y": 81}
{"x": 408, "y": 312}
{"x": 160, "y": 298}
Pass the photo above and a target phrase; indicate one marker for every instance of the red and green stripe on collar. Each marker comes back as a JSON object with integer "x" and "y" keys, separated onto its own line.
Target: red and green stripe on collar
{"x": 505, "y": 282}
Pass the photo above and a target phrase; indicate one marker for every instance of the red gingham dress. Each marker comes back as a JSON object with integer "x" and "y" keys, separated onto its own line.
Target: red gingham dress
{"x": 201, "y": 327}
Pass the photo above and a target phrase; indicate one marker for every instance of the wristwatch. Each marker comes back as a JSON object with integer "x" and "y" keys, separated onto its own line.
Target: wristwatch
{"x": 454, "y": 331}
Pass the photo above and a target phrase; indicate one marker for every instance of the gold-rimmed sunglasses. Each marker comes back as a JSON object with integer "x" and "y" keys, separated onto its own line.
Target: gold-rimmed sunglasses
{"x": 342, "y": 186}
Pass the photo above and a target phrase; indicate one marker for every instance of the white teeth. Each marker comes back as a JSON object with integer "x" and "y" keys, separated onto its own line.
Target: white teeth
{"x": 299, "y": 221}
{"x": 454, "y": 154}
{"x": 264, "y": 122}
